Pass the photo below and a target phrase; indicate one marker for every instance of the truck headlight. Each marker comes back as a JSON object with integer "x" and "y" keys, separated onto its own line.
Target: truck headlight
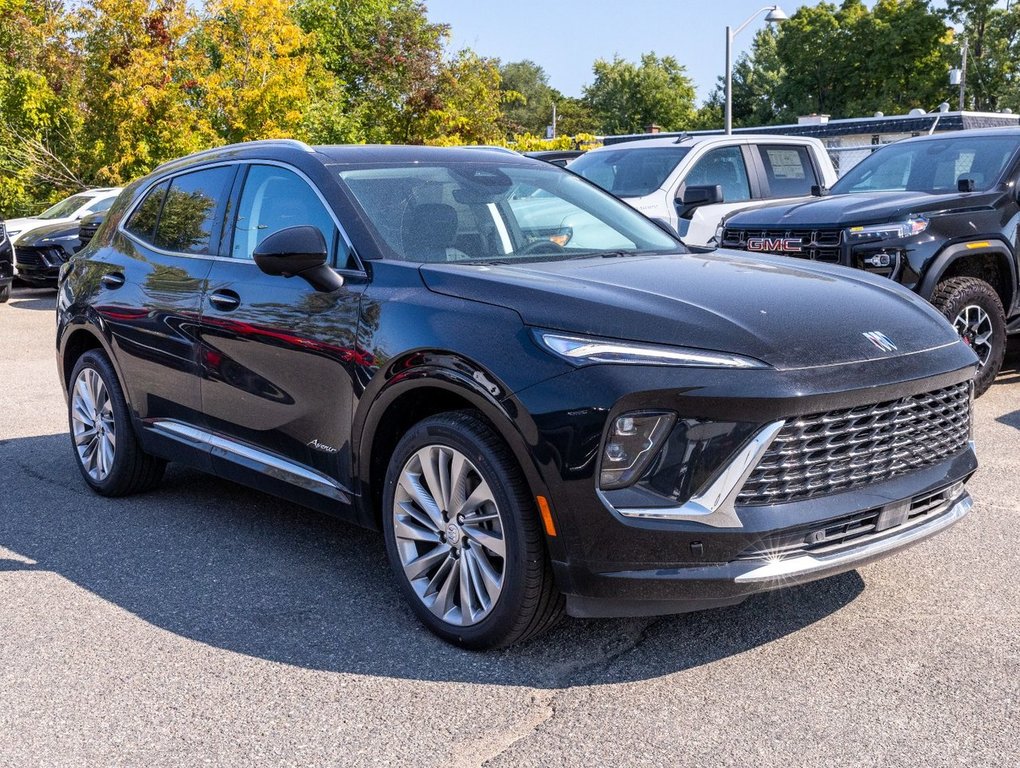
{"x": 896, "y": 230}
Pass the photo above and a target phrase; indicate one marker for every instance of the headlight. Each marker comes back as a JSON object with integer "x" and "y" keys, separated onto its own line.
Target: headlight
{"x": 581, "y": 350}
{"x": 633, "y": 441}
{"x": 915, "y": 225}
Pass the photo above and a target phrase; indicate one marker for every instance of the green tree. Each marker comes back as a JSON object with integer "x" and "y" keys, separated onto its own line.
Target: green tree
{"x": 850, "y": 60}
{"x": 252, "y": 65}
{"x": 757, "y": 76}
{"x": 992, "y": 34}
{"x": 527, "y": 98}
{"x": 468, "y": 111}
{"x": 626, "y": 97}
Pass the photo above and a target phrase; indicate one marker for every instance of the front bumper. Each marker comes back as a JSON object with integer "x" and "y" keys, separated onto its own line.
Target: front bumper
{"x": 617, "y": 590}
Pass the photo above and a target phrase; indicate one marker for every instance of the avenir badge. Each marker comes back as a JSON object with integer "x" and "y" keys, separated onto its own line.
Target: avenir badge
{"x": 880, "y": 340}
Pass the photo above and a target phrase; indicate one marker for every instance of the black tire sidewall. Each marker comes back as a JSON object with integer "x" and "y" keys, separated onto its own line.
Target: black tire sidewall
{"x": 506, "y": 485}
{"x": 118, "y": 476}
{"x": 964, "y": 292}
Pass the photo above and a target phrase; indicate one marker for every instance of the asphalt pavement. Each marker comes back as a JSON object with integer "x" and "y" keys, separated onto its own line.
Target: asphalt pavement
{"x": 207, "y": 624}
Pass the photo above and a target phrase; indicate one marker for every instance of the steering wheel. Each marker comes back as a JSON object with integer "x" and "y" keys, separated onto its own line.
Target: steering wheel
{"x": 541, "y": 246}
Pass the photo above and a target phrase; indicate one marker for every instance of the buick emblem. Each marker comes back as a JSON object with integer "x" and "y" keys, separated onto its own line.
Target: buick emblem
{"x": 880, "y": 340}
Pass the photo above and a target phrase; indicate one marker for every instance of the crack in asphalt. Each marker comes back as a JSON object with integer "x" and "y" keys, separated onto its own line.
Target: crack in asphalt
{"x": 543, "y": 702}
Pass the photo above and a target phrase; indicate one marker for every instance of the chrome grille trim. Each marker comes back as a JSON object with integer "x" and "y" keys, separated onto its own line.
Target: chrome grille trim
{"x": 826, "y": 453}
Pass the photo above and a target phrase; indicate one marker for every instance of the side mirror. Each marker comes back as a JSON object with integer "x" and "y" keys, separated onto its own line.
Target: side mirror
{"x": 817, "y": 190}
{"x": 301, "y": 252}
{"x": 706, "y": 195}
{"x": 965, "y": 185}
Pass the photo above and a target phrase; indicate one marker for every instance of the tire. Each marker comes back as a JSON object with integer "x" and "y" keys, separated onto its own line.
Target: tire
{"x": 975, "y": 310}
{"x": 5, "y": 294}
{"x": 96, "y": 402}
{"x": 430, "y": 548}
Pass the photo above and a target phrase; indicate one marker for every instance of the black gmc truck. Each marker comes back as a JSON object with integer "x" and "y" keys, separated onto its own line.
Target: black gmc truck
{"x": 938, "y": 214}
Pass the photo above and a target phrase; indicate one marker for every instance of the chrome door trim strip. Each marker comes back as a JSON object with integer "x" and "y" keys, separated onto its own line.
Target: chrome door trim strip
{"x": 272, "y": 464}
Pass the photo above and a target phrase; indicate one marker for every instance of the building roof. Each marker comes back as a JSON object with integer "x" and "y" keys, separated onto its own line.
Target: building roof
{"x": 852, "y": 126}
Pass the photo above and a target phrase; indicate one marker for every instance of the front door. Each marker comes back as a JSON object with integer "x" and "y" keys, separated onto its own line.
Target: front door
{"x": 279, "y": 357}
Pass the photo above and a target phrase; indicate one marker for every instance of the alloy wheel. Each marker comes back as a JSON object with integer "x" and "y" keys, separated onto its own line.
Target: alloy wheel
{"x": 975, "y": 328}
{"x": 449, "y": 535}
{"x": 93, "y": 425}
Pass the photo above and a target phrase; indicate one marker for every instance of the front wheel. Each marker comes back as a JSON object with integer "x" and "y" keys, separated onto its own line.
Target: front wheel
{"x": 463, "y": 538}
{"x": 975, "y": 310}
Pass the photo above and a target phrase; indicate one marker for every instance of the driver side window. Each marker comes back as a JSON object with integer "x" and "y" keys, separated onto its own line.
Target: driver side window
{"x": 276, "y": 198}
{"x": 725, "y": 167}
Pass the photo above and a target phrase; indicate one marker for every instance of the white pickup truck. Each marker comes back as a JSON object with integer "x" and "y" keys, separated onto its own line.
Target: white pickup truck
{"x": 692, "y": 182}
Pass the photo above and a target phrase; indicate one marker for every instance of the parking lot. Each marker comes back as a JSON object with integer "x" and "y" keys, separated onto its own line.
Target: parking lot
{"x": 209, "y": 624}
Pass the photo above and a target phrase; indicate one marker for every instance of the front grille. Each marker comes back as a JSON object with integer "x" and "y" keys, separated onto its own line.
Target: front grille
{"x": 815, "y": 244}
{"x": 85, "y": 234}
{"x": 32, "y": 256}
{"x": 3, "y": 230}
{"x": 850, "y": 530}
{"x": 825, "y": 453}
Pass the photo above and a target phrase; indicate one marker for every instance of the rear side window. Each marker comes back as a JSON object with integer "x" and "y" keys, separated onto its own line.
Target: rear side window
{"x": 142, "y": 223}
{"x": 788, "y": 169}
{"x": 725, "y": 167}
{"x": 192, "y": 214}
{"x": 274, "y": 199}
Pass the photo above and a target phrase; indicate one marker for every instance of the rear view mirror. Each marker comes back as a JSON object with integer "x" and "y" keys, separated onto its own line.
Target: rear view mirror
{"x": 965, "y": 185}
{"x": 817, "y": 190}
{"x": 301, "y": 252}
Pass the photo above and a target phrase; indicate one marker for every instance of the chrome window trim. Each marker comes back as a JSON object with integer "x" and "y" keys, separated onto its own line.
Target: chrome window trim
{"x": 714, "y": 505}
{"x": 170, "y": 176}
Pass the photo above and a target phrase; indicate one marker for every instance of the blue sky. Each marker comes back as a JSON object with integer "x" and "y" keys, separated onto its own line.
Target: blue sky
{"x": 566, "y": 36}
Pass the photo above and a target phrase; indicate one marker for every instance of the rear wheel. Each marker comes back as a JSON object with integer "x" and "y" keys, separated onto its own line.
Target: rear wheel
{"x": 463, "y": 537}
{"x": 975, "y": 310}
{"x": 105, "y": 447}
{"x": 5, "y": 293}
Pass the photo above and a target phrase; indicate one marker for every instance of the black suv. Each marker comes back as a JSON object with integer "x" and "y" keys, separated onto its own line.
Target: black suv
{"x": 612, "y": 425}
{"x": 938, "y": 214}
{"x": 6, "y": 264}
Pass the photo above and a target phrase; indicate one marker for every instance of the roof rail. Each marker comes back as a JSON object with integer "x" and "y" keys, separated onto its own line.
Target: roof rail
{"x": 292, "y": 143}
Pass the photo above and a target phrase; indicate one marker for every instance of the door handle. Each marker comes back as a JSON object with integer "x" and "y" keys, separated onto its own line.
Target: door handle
{"x": 224, "y": 300}
{"x": 112, "y": 280}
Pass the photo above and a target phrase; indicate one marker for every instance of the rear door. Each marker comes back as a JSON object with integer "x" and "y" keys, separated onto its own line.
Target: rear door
{"x": 279, "y": 357}
{"x": 149, "y": 287}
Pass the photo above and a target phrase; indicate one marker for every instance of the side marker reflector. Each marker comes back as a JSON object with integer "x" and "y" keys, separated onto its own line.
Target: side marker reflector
{"x": 547, "y": 520}
{"x": 982, "y": 244}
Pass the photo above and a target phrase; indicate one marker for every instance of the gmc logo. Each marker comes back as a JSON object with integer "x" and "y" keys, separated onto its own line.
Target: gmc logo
{"x": 774, "y": 244}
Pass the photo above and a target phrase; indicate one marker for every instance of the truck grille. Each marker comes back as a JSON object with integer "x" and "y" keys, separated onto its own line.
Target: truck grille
{"x": 825, "y": 453}
{"x": 815, "y": 244}
{"x": 85, "y": 234}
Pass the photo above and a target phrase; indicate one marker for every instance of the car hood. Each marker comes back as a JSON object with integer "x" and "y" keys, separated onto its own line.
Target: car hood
{"x": 847, "y": 210}
{"x": 777, "y": 310}
{"x": 49, "y": 232}
{"x": 29, "y": 223}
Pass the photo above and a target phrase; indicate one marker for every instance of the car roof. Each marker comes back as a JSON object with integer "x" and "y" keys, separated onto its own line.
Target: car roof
{"x": 715, "y": 138}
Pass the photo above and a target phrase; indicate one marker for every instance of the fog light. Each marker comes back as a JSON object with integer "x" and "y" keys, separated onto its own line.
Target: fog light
{"x": 632, "y": 443}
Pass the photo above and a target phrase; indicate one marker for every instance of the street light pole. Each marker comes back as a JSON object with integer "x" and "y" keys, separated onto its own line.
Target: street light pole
{"x": 775, "y": 15}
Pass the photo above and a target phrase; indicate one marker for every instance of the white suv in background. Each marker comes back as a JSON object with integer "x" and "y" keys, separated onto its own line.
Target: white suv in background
{"x": 67, "y": 210}
{"x": 692, "y": 182}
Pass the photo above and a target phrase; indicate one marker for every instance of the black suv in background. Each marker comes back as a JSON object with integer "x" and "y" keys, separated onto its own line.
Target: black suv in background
{"x": 938, "y": 214}
{"x": 6, "y": 264}
{"x": 43, "y": 251}
{"x": 619, "y": 427}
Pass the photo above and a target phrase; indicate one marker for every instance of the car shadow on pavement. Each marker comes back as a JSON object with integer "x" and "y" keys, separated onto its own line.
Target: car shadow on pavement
{"x": 243, "y": 571}
{"x": 33, "y": 298}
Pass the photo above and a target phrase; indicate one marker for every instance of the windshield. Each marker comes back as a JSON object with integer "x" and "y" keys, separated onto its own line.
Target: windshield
{"x": 495, "y": 212}
{"x": 631, "y": 171}
{"x": 65, "y": 208}
{"x": 930, "y": 166}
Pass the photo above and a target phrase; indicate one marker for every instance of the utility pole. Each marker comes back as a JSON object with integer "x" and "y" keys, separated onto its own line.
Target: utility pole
{"x": 963, "y": 73}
